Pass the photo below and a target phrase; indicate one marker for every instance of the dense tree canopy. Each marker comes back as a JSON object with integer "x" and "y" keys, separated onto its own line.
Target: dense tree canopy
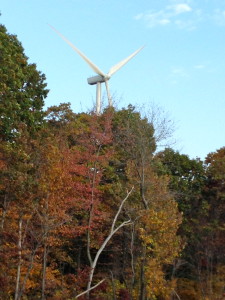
{"x": 198, "y": 189}
{"x": 88, "y": 210}
{"x": 22, "y": 88}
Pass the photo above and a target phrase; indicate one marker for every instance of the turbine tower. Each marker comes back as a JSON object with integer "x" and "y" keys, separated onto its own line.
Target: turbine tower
{"x": 100, "y": 77}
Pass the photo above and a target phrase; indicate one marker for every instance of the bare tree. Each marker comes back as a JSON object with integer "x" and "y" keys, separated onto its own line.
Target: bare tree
{"x": 112, "y": 231}
{"x": 164, "y": 126}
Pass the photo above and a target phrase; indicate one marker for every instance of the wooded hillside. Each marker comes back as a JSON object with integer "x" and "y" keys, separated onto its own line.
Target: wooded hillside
{"x": 90, "y": 210}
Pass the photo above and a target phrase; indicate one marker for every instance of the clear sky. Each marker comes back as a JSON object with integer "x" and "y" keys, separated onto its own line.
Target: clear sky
{"x": 181, "y": 69}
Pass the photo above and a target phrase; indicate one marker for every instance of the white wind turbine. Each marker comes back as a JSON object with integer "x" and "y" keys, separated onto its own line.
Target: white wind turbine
{"x": 101, "y": 77}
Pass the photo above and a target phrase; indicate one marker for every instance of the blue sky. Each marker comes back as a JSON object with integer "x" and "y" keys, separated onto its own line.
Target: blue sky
{"x": 181, "y": 69}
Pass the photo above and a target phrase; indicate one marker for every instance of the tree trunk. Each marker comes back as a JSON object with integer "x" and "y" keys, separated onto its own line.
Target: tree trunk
{"x": 44, "y": 270}
{"x": 45, "y": 237}
{"x": 22, "y": 287}
{"x": 4, "y": 213}
{"x": 113, "y": 286}
{"x": 142, "y": 277}
{"x": 132, "y": 261}
{"x": 19, "y": 245}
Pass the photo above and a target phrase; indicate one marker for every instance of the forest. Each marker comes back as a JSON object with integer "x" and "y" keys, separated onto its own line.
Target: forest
{"x": 91, "y": 209}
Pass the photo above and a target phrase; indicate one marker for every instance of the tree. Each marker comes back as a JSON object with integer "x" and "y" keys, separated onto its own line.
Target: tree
{"x": 22, "y": 89}
{"x": 63, "y": 222}
{"x": 134, "y": 143}
{"x": 22, "y": 93}
{"x": 199, "y": 191}
{"x": 213, "y": 234}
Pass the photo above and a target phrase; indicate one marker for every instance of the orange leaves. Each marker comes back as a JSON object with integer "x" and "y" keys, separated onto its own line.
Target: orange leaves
{"x": 69, "y": 187}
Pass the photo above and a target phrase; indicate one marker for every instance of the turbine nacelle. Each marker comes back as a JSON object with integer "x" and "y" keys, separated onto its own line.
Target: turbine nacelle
{"x": 101, "y": 77}
{"x": 95, "y": 79}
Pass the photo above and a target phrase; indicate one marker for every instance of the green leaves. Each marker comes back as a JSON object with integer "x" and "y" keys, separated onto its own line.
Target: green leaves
{"x": 63, "y": 175}
{"x": 22, "y": 89}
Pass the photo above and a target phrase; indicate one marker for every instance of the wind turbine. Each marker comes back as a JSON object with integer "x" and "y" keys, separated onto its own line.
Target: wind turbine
{"x": 101, "y": 77}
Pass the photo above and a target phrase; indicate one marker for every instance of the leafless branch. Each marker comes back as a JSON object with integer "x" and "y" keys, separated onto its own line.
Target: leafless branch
{"x": 113, "y": 230}
{"x": 87, "y": 291}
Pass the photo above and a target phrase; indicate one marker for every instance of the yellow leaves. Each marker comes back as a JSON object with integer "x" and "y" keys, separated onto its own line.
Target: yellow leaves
{"x": 155, "y": 278}
{"x": 157, "y": 226}
{"x": 159, "y": 231}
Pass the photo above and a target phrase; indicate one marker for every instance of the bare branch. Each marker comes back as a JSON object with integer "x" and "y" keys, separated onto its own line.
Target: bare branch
{"x": 178, "y": 297}
{"x": 87, "y": 291}
{"x": 111, "y": 233}
{"x": 119, "y": 210}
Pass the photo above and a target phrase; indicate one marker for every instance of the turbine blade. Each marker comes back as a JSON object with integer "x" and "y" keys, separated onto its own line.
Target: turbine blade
{"x": 108, "y": 93}
{"x": 115, "y": 68}
{"x": 88, "y": 61}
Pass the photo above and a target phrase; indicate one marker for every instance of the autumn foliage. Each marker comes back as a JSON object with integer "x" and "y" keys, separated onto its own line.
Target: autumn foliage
{"x": 88, "y": 210}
